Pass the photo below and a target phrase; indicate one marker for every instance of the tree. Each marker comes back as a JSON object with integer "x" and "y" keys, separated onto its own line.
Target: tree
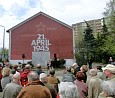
{"x": 90, "y": 41}
{"x": 106, "y": 38}
{"x": 110, "y": 15}
{"x": 80, "y": 54}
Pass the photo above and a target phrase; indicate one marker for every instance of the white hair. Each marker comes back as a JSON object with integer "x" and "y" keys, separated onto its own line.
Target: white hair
{"x": 33, "y": 76}
{"x": 43, "y": 77}
{"x": 108, "y": 87}
{"x": 93, "y": 72}
{"x": 68, "y": 90}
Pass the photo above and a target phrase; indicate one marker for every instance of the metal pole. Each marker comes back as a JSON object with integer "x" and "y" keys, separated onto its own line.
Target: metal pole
{"x": 3, "y": 43}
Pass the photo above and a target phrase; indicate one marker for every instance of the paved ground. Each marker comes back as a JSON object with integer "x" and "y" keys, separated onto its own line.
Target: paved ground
{"x": 59, "y": 73}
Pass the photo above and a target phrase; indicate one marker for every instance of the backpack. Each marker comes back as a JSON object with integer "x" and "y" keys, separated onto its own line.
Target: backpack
{"x": 24, "y": 78}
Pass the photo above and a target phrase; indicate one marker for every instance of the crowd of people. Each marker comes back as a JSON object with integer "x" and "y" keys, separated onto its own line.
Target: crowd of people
{"x": 29, "y": 83}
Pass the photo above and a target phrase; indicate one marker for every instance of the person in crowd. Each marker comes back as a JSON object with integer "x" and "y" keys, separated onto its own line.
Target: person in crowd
{"x": 24, "y": 74}
{"x": 12, "y": 89}
{"x": 39, "y": 69}
{"x": 52, "y": 79}
{"x": 110, "y": 60}
{"x": 84, "y": 69}
{"x": 0, "y": 77}
{"x": 68, "y": 90}
{"x": 109, "y": 72}
{"x": 94, "y": 84}
{"x": 34, "y": 88}
{"x": 90, "y": 61}
{"x": 108, "y": 88}
{"x": 63, "y": 70}
{"x": 82, "y": 87}
{"x": 6, "y": 75}
{"x": 6, "y": 69}
{"x": 49, "y": 64}
{"x": 43, "y": 79}
{"x": 15, "y": 67}
{"x": 100, "y": 73}
{"x": 75, "y": 68}
{"x": 68, "y": 76}
{"x": 13, "y": 71}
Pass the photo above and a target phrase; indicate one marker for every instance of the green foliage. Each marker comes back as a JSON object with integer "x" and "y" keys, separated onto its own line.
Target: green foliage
{"x": 109, "y": 45}
{"x": 80, "y": 56}
{"x": 90, "y": 41}
{"x": 80, "y": 53}
{"x": 110, "y": 15}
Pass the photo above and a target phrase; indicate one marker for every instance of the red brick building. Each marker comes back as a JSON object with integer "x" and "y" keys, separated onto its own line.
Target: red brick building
{"x": 39, "y": 37}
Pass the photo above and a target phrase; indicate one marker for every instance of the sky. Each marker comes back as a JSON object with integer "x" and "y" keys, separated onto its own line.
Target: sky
{"x": 70, "y": 12}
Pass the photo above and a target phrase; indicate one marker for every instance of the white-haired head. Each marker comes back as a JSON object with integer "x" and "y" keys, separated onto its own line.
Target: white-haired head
{"x": 33, "y": 76}
{"x": 93, "y": 72}
{"x": 43, "y": 77}
{"x": 108, "y": 87}
{"x": 68, "y": 90}
{"x": 38, "y": 65}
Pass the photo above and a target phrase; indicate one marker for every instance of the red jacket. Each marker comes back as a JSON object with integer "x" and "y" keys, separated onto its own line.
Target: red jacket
{"x": 23, "y": 77}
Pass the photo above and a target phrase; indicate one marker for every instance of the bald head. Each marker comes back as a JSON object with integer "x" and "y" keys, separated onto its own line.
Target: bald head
{"x": 16, "y": 76}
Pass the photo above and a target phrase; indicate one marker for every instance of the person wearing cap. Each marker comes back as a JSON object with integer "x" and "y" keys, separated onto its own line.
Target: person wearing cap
{"x": 109, "y": 72}
{"x": 44, "y": 80}
{"x": 75, "y": 68}
{"x": 12, "y": 89}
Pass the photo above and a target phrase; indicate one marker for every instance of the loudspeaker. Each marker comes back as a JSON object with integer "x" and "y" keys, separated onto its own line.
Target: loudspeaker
{"x": 23, "y": 56}
{"x": 55, "y": 56}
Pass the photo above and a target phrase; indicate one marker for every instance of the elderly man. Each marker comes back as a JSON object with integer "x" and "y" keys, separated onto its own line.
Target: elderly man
{"x": 39, "y": 69}
{"x": 6, "y": 70}
{"x": 12, "y": 89}
{"x": 68, "y": 90}
{"x": 34, "y": 88}
{"x": 108, "y": 88}
{"x": 109, "y": 72}
{"x": 43, "y": 79}
{"x": 52, "y": 79}
{"x": 94, "y": 84}
{"x": 6, "y": 75}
